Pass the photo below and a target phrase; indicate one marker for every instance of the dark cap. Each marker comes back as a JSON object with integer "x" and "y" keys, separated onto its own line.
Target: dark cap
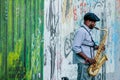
{"x": 91, "y": 16}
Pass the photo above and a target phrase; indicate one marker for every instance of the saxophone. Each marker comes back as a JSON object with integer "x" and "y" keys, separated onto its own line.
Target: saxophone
{"x": 93, "y": 69}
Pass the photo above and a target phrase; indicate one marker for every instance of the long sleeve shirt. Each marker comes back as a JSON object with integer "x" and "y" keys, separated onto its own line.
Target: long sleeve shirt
{"x": 82, "y": 42}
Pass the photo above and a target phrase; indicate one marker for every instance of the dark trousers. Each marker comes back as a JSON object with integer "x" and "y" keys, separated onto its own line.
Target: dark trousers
{"x": 83, "y": 72}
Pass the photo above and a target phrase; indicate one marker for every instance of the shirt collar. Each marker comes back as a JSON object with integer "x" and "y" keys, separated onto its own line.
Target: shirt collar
{"x": 87, "y": 27}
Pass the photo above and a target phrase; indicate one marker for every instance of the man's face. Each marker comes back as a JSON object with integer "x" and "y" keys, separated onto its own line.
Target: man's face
{"x": 91, "y": 24}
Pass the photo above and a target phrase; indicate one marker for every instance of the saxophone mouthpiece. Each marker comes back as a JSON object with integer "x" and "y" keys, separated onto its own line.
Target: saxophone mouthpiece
{"x": 97, "y": 28}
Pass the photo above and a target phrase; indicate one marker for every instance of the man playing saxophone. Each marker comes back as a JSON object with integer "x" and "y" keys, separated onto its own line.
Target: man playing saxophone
{"x": 84, "y": 46}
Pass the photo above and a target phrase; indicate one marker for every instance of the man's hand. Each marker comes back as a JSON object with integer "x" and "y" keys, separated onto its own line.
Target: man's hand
{"x": 90, "y": 60}
{"x": 87, "y": 59}
{"x": 103, "y": 47}
{"x": 97, "y": 47}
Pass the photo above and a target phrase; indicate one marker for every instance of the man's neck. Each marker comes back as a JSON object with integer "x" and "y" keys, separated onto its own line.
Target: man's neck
{"x": 87, "y": 27}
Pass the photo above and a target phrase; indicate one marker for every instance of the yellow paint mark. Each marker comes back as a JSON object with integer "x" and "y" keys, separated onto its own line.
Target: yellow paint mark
{"x": 69, "y": 14}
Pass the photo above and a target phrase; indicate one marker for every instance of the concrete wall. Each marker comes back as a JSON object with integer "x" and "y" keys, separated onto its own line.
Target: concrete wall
{"x": 61, "y": 19}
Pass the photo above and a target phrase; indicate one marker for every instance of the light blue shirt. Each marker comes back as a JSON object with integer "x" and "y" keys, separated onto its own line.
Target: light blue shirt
{"x": 81, "y": 43}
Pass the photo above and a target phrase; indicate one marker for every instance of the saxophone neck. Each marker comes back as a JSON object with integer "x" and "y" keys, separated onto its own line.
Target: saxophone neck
{"x": 105, "y": 29}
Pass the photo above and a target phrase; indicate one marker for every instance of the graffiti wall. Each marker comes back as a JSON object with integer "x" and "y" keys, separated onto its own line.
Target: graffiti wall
{"x": 62, "y": 18}
{"x": 51, "y": 51}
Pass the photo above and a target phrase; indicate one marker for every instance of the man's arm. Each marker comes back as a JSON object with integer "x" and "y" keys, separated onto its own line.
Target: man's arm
{"x": 87, "y": 59}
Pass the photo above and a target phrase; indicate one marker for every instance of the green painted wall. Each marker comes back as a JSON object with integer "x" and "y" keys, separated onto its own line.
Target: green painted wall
{"x": 21, "y": 39}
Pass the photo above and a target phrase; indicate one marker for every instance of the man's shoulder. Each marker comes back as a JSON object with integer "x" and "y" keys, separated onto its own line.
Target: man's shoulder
{"x": 81, "y": 29}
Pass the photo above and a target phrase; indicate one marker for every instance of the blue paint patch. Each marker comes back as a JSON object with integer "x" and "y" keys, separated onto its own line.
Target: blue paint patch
{"x": 111, "y": 61}
{"x": 90, "y": 2}
{"x": 115, "y": 38}
{"x": 115, "y": 34}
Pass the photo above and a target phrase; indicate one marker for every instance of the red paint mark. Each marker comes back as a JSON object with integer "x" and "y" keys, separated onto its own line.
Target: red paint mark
{"x": 83, "y": 8}
{"x": 118, "y": 9}
{"x": 118, "y": 5}
{"x": 75, "y": 13}
{"x": 59, "y": 61}
{"x": 83, "y": 4}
